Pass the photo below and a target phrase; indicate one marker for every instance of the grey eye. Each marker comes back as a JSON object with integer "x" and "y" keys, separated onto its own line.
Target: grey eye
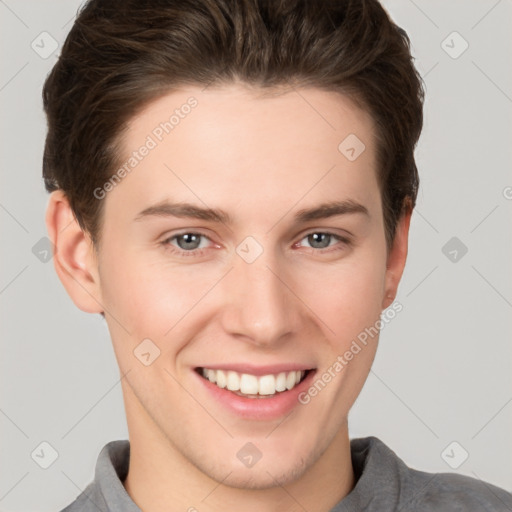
{"x": 188, "y": 241}
{"x": 319, "y": 240}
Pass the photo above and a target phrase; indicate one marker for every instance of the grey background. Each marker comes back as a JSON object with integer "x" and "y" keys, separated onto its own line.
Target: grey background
{"x": 443, "y": 368}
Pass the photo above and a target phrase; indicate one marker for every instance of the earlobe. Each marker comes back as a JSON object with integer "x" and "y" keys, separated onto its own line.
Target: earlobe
{"x": 74, "y": 256}
{"x": 396, "y": 258}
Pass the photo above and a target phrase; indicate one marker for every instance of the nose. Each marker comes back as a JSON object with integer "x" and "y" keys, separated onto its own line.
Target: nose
{"x": 258, "y": 304}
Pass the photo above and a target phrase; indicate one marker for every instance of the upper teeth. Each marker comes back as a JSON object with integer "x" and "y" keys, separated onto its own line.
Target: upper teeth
{"x": 251, "y": 384}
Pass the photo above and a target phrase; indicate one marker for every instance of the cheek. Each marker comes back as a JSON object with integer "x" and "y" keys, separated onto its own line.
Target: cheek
{"x": 347, "y": 297}
{"x": 147, "y": 297}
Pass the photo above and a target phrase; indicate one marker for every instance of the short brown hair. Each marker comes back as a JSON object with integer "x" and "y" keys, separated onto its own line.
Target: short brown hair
{"x": 121, "y": 54}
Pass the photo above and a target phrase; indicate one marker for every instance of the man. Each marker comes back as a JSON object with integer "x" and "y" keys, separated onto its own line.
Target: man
{"x": 232, "y": 186}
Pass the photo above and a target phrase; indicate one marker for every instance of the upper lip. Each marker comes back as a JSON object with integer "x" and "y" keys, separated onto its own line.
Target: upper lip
{"x": 258, "y": 370}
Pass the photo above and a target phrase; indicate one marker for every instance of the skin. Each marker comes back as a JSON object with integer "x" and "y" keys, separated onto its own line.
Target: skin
{"x": 261, "y": 159}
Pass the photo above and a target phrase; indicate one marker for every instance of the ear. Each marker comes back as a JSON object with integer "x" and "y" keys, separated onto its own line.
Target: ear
{"x": 396, "y": 258}
{"x": 74, "y": 254}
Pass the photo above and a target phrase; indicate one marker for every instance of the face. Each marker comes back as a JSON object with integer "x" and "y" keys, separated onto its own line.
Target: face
{"x": 218, "y": 253}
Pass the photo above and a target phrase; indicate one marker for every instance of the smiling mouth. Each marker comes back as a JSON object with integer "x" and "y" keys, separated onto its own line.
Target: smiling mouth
{"x": 252, "y": 386}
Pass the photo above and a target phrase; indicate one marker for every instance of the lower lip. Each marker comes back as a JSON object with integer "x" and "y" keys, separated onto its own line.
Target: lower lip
{"x": 269, "y": 408}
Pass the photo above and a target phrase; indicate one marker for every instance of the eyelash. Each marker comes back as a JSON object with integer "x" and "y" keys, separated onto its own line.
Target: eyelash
{"x": 199, "y": 252}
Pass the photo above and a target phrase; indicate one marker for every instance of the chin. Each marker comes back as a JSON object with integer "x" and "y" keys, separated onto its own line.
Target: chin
{"x": 269, "y": 472}
{"x": 269, "y": 476}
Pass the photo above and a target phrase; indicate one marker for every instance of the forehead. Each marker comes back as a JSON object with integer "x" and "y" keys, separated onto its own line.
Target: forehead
{"x": 242, "y": 147}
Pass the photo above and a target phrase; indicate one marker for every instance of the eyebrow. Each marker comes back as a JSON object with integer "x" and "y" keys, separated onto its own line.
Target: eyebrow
{"x": 188, "y": 210}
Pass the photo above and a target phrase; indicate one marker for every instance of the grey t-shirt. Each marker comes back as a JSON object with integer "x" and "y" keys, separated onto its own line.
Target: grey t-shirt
{"x": 383, "y": 484}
